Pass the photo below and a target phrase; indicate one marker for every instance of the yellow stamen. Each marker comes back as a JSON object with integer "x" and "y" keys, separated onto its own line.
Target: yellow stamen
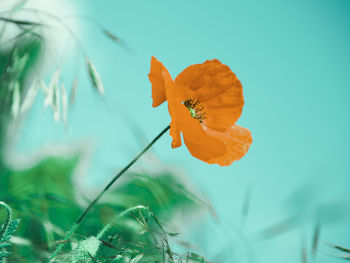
{"x": 196, "y": 109}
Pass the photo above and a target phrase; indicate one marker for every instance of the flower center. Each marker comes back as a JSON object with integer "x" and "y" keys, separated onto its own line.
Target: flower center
{"x": 196, "y": 109}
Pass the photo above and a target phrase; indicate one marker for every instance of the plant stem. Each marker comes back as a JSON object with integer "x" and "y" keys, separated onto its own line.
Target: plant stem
{"x": 81, "y": 218}
{"x": 120, "y": 174}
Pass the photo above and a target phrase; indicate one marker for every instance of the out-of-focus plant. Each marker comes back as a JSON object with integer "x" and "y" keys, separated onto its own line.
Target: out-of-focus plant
{"x": 16, "y": 64}
{"x": 6, "y": 231}
{"x": 129, "y": 224}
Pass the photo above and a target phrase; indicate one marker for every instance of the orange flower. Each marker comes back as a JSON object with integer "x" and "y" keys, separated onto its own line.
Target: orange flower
{"x": 204, "y": 103}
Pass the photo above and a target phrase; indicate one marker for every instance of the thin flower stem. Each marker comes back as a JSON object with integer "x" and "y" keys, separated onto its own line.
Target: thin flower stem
{"x": 83, "y": 215}
{"x": 120, "y": 174}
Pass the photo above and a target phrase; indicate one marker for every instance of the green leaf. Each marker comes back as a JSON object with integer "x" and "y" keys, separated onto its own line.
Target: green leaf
{"x": 50, "y": 199}
{"x": 85, "y": 250}
{"x": 4, "y": 245}
{"x": 6, "y": 231}
{"x": 3, "y": 254}
{"x": 12, "y": 227}
{"x": 163, "y": 194}
{"x": 51, "y": 195}
{"x": 9, "y": 231}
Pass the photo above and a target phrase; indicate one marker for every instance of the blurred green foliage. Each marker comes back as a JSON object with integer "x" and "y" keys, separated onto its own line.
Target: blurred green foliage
{"x": 131, "y": 216}
{"x": 129, "y": 224}
{"x": 16, "y": 65}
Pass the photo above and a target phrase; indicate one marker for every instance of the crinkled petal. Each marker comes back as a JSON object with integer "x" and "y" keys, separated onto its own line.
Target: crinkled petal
{"x": 217, "y": 88}
{"x": 237, "y": 141}
{"x": 160, "y": 78}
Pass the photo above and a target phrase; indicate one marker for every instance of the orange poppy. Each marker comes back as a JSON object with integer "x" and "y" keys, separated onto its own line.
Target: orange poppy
{"x": 204, "y": 101}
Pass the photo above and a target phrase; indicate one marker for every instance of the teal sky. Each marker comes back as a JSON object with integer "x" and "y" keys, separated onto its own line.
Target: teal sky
{"x": 293, "y": 59}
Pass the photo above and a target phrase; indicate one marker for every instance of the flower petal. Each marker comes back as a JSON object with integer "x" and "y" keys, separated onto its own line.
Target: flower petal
{"x": 199, "y": 143}
{"x": 237, "y": 141}
{"x": 175, "y": 134}
{"x": 217, "y": 88}
{"x": 160, "y": 78}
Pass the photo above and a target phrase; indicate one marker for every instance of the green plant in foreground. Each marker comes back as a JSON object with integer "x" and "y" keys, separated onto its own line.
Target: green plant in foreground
{"x": 6, "y": 232}
{"x": 129, "y": 221}
{"x": 132, "y": 216}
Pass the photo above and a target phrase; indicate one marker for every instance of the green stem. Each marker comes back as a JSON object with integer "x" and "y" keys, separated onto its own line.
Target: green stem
{"x": 83, "y": 215}
{"x": 120, "y": 174}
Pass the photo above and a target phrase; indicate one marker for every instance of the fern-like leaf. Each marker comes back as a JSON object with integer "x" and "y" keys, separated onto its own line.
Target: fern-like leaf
{"x": 6, "y": 232}
{"x": 86, "y": 250}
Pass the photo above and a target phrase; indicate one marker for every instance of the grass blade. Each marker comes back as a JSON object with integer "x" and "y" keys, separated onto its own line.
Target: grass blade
{"x": 95, "y": 77}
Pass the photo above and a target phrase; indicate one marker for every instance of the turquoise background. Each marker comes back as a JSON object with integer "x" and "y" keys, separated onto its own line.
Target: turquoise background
{"x": 293, "y": 59}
